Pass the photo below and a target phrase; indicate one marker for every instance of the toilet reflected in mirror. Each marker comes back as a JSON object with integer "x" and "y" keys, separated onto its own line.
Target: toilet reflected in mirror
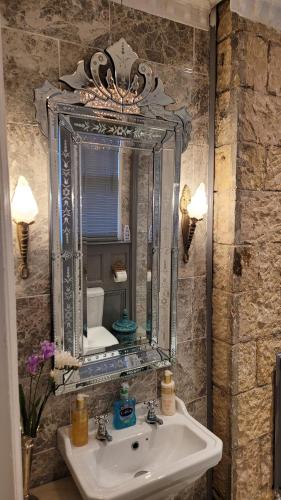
{"x": 95, "y": 335}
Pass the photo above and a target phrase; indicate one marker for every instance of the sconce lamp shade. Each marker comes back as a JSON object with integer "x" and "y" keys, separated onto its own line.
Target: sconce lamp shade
{"x": 198, "y": 206}
{"x": 24, "y": 207}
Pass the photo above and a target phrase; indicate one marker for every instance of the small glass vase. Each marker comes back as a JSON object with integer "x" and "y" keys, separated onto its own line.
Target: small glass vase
{"x": 27, "y": 453}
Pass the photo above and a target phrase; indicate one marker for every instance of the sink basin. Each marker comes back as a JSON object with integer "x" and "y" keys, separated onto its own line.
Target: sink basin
{"x": 144, "y": 461}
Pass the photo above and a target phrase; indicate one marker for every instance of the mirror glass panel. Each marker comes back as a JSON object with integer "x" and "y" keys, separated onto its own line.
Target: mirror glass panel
{"x": 117, "y": 230}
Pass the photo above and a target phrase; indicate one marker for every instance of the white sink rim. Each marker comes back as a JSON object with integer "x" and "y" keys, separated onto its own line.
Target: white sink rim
{"x": 182, "y": 470}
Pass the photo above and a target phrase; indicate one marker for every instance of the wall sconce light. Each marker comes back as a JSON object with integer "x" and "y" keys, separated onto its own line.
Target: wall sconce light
{"x": 192, "y": 209}
{"x": 24, "y": 210}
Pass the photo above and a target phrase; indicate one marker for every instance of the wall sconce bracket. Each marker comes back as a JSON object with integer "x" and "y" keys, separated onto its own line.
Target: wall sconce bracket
{"x": 188, "y": 224}
{"x": 23, "y": 237}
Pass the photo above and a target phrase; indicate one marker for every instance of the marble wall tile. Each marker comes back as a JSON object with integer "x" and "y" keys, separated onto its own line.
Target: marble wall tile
{"x": 25, "y": 68}
{"x": 47, "y": 434}
{"x": 190, "y": 370}
{"x": 199, "y": 307}
{"x": 160, "y": 40}
{"x": 33, "y": 326}
{"x": 191, "y": 90}
{"x": 191, "y": 308}
{"x": 28, "y": 156}
{"x": 201, "y": 51}
{"x": 83, "y": 21}
{"x": 198, "y": 410}
{"x": 177, "y": 82}
{"x": 70, "y": 53}
{"x": 199, "y": 109}
{"x": 47, "y": 466}
{"x": 184, "y": 310}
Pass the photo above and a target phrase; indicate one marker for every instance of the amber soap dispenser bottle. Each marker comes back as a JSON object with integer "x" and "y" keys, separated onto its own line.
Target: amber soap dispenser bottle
{"x": 79, "y": 421}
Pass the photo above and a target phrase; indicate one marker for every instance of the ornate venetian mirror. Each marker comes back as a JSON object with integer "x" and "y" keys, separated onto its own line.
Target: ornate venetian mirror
{"x": 115, "y": 155}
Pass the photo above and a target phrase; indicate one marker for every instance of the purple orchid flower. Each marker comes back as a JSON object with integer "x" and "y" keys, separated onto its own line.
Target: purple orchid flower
{"x": 47, "y": 349}
{"x": 33, "y": 363}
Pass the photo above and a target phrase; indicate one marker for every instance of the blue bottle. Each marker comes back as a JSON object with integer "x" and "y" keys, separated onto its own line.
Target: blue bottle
{"x": 124, "y": 413}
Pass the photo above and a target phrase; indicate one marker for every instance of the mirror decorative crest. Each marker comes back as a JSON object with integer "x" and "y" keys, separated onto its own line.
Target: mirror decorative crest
{"x": 115, "y": 153}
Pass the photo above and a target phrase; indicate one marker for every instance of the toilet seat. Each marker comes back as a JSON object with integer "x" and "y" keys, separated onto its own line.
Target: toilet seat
{"x": 98, "y": 337}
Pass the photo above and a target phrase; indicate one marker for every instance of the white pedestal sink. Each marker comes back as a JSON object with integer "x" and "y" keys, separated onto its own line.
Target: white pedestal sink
{"x": 143, "y": 462}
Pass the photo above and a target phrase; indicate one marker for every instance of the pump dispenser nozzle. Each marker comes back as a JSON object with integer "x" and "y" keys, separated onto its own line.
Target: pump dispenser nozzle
{"x": 167, "y": 376}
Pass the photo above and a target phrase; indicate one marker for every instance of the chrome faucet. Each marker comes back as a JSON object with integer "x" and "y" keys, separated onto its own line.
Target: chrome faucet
{"x": 102, "y": 432}
{"x": 151, "y": 417}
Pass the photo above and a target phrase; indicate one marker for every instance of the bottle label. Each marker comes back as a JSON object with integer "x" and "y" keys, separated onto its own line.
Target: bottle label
{"x": 79, "y": 418}
{"x": 168, "y": 405}
{"x": 167, "y": 390}
{"x": 125, "y": 412}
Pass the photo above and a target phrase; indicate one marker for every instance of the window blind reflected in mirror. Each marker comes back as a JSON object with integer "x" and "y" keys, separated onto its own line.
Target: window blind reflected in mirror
{"x": 101, "y": 208}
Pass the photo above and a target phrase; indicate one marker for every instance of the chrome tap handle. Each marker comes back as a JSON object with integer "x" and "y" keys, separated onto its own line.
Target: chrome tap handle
{"x": 151, "y": 417}
{"x": 151, "y": 404}
{"x": 101, "y": 419}
{"x": 102, "y": 432}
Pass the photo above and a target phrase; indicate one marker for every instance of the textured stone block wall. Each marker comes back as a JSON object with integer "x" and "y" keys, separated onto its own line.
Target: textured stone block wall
{"x": 42, "y": 40}
{"x": 247, "y": 264}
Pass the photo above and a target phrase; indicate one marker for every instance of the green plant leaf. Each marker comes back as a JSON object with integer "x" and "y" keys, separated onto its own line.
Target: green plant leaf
{"x": 23, "y": 410}
{"x": 42, "y": 406}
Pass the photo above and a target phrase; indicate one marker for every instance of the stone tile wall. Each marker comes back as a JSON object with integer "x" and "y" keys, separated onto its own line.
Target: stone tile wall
{"x": 246, "y": 295}
{"x": 42, "y": 40}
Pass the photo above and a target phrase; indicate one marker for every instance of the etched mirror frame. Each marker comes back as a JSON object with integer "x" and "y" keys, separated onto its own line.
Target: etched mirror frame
{"x": 117, "y": 97}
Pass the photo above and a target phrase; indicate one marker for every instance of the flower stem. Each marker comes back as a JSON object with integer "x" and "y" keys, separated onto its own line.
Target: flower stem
{"x": 29, "y": 402}
{"x": 34, "y": 394}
